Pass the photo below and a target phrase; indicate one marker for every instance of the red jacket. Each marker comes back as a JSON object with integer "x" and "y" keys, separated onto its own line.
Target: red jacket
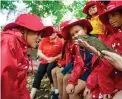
{"x": 104, "y": 74}
{"x": 14, "y": 65}
{"x": 72, "y": 53}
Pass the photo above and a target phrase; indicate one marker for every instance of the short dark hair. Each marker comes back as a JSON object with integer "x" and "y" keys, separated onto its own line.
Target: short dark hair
{"x": 119, "y": 10}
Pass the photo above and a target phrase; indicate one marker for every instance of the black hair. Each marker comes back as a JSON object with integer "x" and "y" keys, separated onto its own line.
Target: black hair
{"x": 119, "y": 10}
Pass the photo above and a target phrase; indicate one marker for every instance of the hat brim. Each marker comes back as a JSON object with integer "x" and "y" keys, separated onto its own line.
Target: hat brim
{"x": 9, "y": 26}
{"x": 86, "y": 8}
{"x": 104, "y": 17}
{"x": 47, "y": 31}
{"x": 59, "y": 34}
{"x": 82, "y": 22}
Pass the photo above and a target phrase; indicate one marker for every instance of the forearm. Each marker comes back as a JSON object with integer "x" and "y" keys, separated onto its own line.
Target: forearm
{"x": 41, "y": 55}
{"x": 58, "y": 56}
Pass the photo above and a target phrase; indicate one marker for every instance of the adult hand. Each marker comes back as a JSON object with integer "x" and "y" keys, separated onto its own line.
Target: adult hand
{"x": 106, "y": 96}
{"x": 114, "y": 59}
{"x": 86, "y": 92}
{"x": 70, "y": 88}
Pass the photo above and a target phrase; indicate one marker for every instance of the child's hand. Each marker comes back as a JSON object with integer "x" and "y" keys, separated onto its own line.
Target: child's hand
{"x": 87, "y": 46}
{"x": 51, "y": 59}
{"x": 59, "y": 65}
{"x": 86, "y": 92}
{"x": 70, "y": 88}
{"x": 82, "y": 43}
{"x": 106, "y": 96}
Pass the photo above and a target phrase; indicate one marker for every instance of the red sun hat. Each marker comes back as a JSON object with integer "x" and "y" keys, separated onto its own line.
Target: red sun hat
{"x": 73, "y": 22}
{"x": 112, "y": 6}
{"x": 62, "y": 24}
{"x": 87, "y": 6}
{"x": 31, "y": 22}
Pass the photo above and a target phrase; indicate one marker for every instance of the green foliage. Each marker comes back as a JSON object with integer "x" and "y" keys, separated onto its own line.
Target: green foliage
{"x": 7, "y": 5}
{"x": 55, "y": 8}
{"x": 77, "y": 7}
{"x": 44, "y": 8}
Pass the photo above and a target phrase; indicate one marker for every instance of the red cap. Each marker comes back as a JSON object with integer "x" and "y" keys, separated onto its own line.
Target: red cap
{"x": 87, "y": 6}
{"x": 113, "y": 5}
{"x": 31, "y": 22}
{"x": 70, "y": 23}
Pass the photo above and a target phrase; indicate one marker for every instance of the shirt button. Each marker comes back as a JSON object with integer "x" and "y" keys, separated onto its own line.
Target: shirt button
{"x": 19, "y": 64}
{"x": 119, "y": 30}
{"x": 118, "y": 44}
{"x": 93, "y": 96}
{"x": 115, "y": 72}
{"x": 26, "y": 67}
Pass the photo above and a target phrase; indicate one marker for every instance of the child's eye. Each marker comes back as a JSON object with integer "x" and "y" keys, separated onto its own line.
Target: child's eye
{"x": 72, "y": 34}
{"x": 76, "y": 31}
{"x": 93, "y": 6}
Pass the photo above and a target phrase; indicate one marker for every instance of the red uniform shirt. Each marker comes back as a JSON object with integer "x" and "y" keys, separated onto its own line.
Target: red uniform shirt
{"x": 50, "y": 49}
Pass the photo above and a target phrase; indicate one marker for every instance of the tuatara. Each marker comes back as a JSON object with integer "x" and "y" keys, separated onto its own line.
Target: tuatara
{"x": 95, "y": 42}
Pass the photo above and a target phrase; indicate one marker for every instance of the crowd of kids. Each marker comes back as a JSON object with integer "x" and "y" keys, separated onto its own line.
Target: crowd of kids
{"x": 73, "y": 66}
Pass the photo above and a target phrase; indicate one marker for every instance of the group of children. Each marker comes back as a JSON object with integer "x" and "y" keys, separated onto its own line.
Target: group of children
{"x": 72, "y": 65}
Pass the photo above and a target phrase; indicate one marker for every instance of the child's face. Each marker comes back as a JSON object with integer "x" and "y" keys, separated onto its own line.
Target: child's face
{"x": 53, "y": 36}
{"x": 77, "y": 30}
{"x": 115, "y": 18}
{"x": 92, "y": 10}
{"x": 31, "y": 38}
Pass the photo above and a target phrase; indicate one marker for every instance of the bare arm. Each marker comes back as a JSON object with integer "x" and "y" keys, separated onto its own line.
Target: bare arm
{"x": 41, "y": 55}
{"x": 58, "y": 56}
{"x": 114, "y": 59}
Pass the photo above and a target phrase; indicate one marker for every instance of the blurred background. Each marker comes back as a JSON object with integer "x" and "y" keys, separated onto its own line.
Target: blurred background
{"x": 52, "y": 12}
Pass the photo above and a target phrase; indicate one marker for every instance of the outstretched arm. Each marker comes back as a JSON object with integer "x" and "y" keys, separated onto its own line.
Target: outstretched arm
{"x": 114, "y": 59}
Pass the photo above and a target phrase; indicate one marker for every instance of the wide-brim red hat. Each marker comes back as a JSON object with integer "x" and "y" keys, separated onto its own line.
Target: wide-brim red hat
{"x": 31, "y": 22}
{"x": 87, "y": 6}
{"x": 112, "y": 6}
{"x": 82, "y": 22}
{"x": 47, "y": 31}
